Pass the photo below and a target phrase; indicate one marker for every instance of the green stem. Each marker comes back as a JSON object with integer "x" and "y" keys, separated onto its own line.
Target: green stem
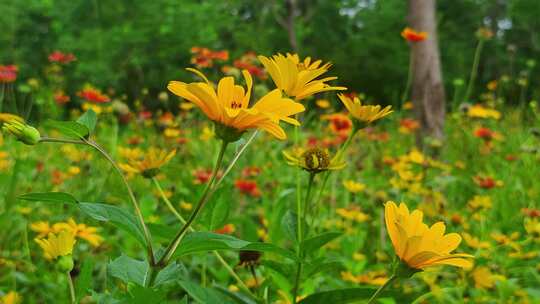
{"x": 202, "y": 201}
{"x": 301, "y": 216}
{"x": 217, "y": 254}
{"x": 138, "y": 212}
{"x": 474, "y": 70}
{"x": 409, "y": 81}
{"x": 147, "y": 236}
{"x": 378, "y": 292}
{"x": 71, "y": 289}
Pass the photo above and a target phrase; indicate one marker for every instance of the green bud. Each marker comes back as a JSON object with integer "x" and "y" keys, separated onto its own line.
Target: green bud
{"x": 65, "y": 263}
{"x": 24, "y": 133}
{"x": 402, "y": 270}
{"x": 228, "y": 134}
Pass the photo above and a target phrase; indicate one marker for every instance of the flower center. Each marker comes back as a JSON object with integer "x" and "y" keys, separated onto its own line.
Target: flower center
{"x": 316, "y": 159}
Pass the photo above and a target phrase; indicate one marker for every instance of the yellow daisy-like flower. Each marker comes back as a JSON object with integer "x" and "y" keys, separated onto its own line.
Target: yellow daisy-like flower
{"x": 6, "y": 117}
{"x": 82, "y": 231}
{"x": 353, "y": 187}
{"x": 420, "y": 246}
{"x": 42, "y": 228}
{"x": 364, "y": 113}
{"x": 11, "y": 297}
{"x": 314, "y": 160}
{"x": 228, "y": 106}
{"x": 57, "y": 245}
{"x": 298, "y": 79}
{"x": 149, "y": 164}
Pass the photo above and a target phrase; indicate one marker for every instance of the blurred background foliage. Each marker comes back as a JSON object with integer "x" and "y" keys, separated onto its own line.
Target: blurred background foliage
{"x": 136, "y": 44}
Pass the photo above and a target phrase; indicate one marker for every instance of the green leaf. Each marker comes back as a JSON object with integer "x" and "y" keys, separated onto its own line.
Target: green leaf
{"x": 341, "y": 296}
{"x": 204, "y": 294}
{"x": 171, "y": 273}
{"x": 142, "y": 295}
{"x": 289, "y": 225}
{"x": 53, "y": 197}
{"x": 70, "y": 129}
{"x": 117, "y": 216}
{"x": 165, "y": 232}
{"x": 84, "y": 280}
{"x": 128, "y": 270}
{"x": 236, "y": 296}
{"x": 311, "y": 245}
{"x": 207, "y": 241}
{"x": 88, "y": 119}
{"x": 321, "y": 265}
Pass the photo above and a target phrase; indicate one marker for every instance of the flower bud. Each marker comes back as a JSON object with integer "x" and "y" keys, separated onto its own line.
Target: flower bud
{"x": 228, "y": 134}
{"x": 24, "y": 133}
{"x": 65, "y": 263}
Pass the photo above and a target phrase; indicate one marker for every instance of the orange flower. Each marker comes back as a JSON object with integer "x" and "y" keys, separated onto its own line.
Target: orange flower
{"x": 204, "y": 57}
{"x": 484, "y": 133}
{"x": 408, "y": 125}
{"x": 413, "y": 36}
{"x": 227, "y": 229}
{"x": 61, "y": 98}
{"x": 93, "y": 95}
{"x": 62, "y": 58}
{"x": 340, "y": 124}
{"x": 487, "y": 182}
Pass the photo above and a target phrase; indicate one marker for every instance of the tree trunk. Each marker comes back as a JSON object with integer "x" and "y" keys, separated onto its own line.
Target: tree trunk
{"x": 427, "y": 88}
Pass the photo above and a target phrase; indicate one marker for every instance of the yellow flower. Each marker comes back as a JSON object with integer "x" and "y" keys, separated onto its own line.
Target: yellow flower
{"x": 171, "y": 132}
{"x": 6, "y": 117}
{"x": 74, "y": 170}
{"x": 298, "y": 79}
{"x": 483, "y": 278}
{"x": 474, "y": 242}
{"x": 364, "y": 113}
{"x": 11, "y": 297}
{"x": 229, "y": 105}
{"x": 353, "y": 186}
{"x": 149, "y": 165}
{"x": 57, "y": 245}
{"x": 186, "y": 106}
{"x": 42, "y": 228}
{"x": 480, "y": 202}
{"x": 322, "y": 103}
{"x": 418, "y": 245}
{"x": 478, "y": 111}
{"x": 314, "y": 160}
{"x": 82, "y": 231}
{"x": 186, "y": 206}
{"x": 207, "y": 134}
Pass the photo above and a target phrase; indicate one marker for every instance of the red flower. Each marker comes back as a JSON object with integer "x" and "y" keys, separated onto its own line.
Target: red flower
{"x": 484, "y": 133}
{"x": 531, "y": 212}
{"x": 413, "y": 36}
{"x": 93, "y": 95}
{"x": 62, "y": 58}
{"x": 61, "y": 98}
{"x": 145, "y": 115}
{"x": 204, "y": 57}
{"x": 487, "y": 182}
{"x": 202, "y": 176}
{"x": 511, "y": 157}
{"x": 8, "y": 73}
{"x": 408, "y": 125}
{"x": 248, "y": 187}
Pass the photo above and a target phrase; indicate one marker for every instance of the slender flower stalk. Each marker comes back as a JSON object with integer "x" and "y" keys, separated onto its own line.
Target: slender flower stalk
{"x": 147, "y": 236}
{"x": 405, "y": 94}
{"x": 217, "y": 254}
{"x": 474, "y": 70}
{"x": 382, "y": 288}
{"x": 71, "y": 288}
{"x": 301, "y": 216}
{"x": 204, "y": 198}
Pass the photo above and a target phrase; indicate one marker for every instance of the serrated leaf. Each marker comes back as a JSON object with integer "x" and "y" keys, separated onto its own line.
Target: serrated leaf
{"x": 311, "y": 245}
{"x": 88, "y": 119}
{"x": 53, "y": 197}
{"x": 171, "y": 273}
{"x": 128, "y": 270}
{"x": 70, "y": 129}
{"x": 116, "y": 216}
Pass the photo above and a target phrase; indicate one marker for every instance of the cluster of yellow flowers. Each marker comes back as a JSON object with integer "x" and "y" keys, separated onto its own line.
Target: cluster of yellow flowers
{"x": 78, "y": 230}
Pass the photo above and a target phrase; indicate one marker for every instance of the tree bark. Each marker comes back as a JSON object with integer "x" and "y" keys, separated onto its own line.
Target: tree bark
{"x": 427, "y": 88}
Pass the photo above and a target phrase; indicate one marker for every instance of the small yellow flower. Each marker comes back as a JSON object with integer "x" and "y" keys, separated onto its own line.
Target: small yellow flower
{"x": 57, "y": 245}
{"x": 313, "y": 160}
{"x": 186, "y": 106}
{"x": 186, "y": 206}
{"x": 480, "y": 202}
{"x": 420, "y": 246}
{"x": 353, "y": 186}
{"x": 149, "y": 165}
{"x": 82, "y": 231}
{"x": 298, "y": 79}
{"x": 171, "y": 132}
{"x": 6, "y": 117}
{"x": 479, "y": 111}
{"x": 322, "y": 103}
{"x": 74, "y": 170}
{"x": 228, "y": 106}
{"x": 42, "y": 228}
{"x": 11, "y": 297}
{"x": 364, "y": 113}
{"x": 483, "y": 278}
{"x": 207, "y": 134}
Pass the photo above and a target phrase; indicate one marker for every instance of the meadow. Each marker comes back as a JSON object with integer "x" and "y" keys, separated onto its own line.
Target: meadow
{"x": 259, "y": 178}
